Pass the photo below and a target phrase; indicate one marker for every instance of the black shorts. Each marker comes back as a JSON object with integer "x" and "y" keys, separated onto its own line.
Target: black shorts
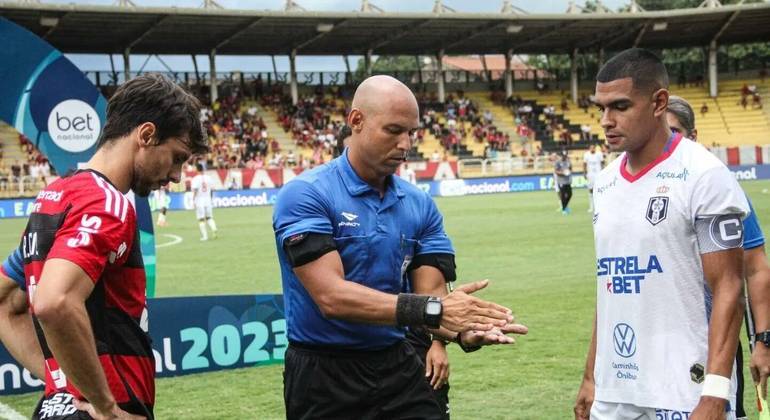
{"x": 421, "y": 341}
{"x": 324, "y": 383}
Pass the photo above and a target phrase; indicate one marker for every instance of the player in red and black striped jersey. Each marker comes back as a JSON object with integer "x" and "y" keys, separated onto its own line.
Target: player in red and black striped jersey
{"x": 82, "y": 261}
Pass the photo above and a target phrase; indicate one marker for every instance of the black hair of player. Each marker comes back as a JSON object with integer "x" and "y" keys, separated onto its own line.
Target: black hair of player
{"x": 646, "y": 70}
{"x": 157, "y": 99}
{"x": 344, "y": 133}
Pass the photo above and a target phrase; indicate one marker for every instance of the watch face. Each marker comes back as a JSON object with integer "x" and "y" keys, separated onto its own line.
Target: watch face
{"x": 433, "y": 308}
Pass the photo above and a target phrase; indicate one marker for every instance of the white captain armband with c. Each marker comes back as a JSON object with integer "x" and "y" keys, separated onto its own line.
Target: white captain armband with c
{"x": 305, "y": 247}
{"x": 719, "y": 233}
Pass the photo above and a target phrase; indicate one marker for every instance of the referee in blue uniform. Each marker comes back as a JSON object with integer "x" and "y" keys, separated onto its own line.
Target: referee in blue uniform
{"x": 347, "y": 234}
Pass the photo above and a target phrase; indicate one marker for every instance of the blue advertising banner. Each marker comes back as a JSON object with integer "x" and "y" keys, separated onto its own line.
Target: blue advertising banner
{"x": 215, "y": 333}
{"x": 446, "y": 188}
{"x": 49, "y": 100}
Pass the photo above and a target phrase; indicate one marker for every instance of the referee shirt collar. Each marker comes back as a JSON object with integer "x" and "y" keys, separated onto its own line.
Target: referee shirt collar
{"x": 357, "y": 186}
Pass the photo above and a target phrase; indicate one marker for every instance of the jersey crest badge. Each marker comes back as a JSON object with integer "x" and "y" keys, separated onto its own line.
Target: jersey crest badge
{"x": 657, "y": 210}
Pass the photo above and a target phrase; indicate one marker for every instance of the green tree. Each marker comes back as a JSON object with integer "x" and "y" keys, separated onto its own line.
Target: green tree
{"x": 387, "y": 64}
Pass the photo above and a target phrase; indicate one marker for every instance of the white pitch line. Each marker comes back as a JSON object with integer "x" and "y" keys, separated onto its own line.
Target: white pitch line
{"x": 9, "y": 413}
{"x": 175, "y": 240}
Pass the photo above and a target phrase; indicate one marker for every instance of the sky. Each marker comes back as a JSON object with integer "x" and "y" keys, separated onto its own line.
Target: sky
{"x": 91, "y": 62}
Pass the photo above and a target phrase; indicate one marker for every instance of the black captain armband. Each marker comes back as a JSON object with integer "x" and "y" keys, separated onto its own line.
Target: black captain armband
{"x": 306, "y": 247}
{"x": 444, "y": 262}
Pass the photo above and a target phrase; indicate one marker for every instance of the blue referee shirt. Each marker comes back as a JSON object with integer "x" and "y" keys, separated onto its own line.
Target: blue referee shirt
{"x": 752, "y": 233}
{"x": 376, "y": 238}
{"x": 13, "y": 267}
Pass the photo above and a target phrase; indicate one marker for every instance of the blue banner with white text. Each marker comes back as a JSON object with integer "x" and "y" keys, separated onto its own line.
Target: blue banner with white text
{"x": 193, "y": 335}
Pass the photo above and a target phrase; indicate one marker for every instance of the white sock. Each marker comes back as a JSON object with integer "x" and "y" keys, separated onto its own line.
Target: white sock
{"x": 212, "y": 225}
{"x": 204, "y": 234}
{"x": 161, "y": 218}
{"x": 591, "y": 201}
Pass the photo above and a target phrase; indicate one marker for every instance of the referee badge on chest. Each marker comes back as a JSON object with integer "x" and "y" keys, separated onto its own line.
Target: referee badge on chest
{"x": 657, "y": 210}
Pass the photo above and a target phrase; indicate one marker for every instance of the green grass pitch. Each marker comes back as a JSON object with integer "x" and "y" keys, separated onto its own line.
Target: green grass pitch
{"x": 540, "y": 263}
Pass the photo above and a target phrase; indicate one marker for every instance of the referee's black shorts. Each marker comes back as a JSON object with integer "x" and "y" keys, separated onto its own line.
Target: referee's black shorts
{"x": 326, "y": 383}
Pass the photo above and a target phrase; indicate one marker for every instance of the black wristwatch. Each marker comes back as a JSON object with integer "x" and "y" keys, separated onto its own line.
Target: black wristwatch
{"x": 433, "y": 311}
{"x": 763, "y": 337}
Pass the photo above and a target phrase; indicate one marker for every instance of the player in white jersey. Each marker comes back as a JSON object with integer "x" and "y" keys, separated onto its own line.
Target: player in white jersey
{"x": 681, "y": 119}
{"x": 593, "y": 160}
{"x": 408, "y": 174}
{"x": 668, "y": 234}
{"x": 161, "y": 203}
{"x": 201, "y": 188}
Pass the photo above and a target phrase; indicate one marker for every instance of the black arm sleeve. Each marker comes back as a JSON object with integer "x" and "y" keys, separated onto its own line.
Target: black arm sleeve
{"x": 303, "y": 248}
{"x": 444, "y": 262}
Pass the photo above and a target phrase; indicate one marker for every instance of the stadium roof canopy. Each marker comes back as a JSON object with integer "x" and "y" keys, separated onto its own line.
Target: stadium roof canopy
{"x": 111, "y": 29}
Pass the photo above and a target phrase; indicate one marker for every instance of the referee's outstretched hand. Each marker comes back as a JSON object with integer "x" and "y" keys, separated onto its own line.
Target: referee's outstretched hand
{"x": 463, "y": 312}
{"x": 497, "y": 335}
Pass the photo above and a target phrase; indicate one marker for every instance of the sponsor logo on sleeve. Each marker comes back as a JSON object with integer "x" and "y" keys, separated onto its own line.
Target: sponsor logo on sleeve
{"x": 89, "y": 225}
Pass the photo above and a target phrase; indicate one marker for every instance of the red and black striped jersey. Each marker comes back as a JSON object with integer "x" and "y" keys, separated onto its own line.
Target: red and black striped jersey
{"x": 84, "y": 219}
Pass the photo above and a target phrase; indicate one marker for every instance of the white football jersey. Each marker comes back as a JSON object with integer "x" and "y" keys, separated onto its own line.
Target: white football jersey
{"x": 653, "y": 302}
{"x": 201, "y": 185}
{"x": 593, "y": 162}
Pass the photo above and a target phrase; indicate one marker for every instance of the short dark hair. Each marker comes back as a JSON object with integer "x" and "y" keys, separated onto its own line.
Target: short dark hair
{"x": 345, "y": 132}
{"x": 157, "y": 99}
{"x": 645, "y": 69}
{"x": 683, "y": 113}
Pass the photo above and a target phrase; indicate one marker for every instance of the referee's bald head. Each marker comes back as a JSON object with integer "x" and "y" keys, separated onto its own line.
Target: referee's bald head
{"x": 645, "y": 69}
{"x": 380, "y": 93}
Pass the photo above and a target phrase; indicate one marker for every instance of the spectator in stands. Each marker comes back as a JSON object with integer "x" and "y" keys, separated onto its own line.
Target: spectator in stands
{"x": 16, "y": 171}
{"x": 756, "y": 101}
{"x": 745, "y": 90}
{"x": 704, "y": 109}
{"x": 584, "y": 103}
{"x": 5, "y": 176}
{"x": 488, "y": 117}
{"x": 564, "y": 104}
{"x": 744, "y": 101}
{"x": 585, "y": 132}
{"x": 435, "y": 157}
{"x": 291, "y": 159}
{"x": 276, "y": 161}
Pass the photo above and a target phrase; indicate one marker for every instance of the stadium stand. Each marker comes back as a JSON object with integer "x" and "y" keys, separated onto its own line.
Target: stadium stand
{"x": 23, "y": 169}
